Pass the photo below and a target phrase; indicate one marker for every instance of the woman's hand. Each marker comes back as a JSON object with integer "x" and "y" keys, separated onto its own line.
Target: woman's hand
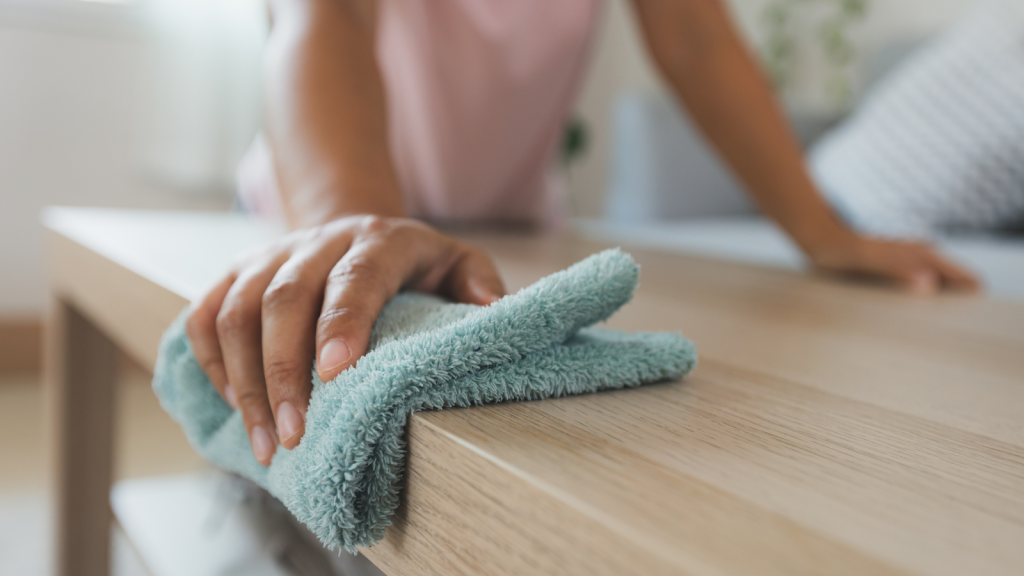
{"x": 914, "y": 266}
{"x": 316, "y": 293}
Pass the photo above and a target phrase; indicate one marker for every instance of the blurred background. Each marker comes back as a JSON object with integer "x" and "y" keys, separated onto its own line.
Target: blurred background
{"x": 151, "y": 104}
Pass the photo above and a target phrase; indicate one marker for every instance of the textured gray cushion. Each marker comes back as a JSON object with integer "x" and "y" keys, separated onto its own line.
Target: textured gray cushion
{"x": 939, "y": 144}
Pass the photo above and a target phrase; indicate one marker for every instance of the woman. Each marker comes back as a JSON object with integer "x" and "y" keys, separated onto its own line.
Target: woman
{"x": 381, "y": 116}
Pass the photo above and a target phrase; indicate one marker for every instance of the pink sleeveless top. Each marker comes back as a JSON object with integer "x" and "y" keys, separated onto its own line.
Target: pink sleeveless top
{"x": 478, "y": 94}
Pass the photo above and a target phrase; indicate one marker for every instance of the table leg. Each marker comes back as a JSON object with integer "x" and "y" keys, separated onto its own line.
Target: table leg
{"x": 80, "y": 373}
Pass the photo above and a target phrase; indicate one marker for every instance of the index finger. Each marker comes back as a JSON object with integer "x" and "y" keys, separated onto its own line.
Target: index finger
{"x": 291, "y": 305}
{"x": 359, "y": 286}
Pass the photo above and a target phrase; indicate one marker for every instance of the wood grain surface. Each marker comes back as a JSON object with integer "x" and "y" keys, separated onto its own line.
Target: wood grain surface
{"x": 830, "y": 427}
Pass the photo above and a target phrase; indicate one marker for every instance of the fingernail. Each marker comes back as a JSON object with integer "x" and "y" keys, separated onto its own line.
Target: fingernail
{"x": 483, "y": 293}
{"x": 229, "y": 395}
{"x": 333, "y": 354}
{"x": 289, "y": 421}
{"x": 262, "y": 444}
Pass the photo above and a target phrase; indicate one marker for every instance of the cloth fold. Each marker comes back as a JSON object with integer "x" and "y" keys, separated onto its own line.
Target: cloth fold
{"x": 343, "y": 478}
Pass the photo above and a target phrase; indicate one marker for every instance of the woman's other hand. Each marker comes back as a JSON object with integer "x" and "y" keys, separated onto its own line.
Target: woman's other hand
{"x": 316, "y": 293}
{"x": 913, "y": 266}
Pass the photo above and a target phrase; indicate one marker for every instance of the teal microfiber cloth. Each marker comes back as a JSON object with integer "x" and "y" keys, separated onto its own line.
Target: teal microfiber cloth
{"x": 343, "y": 478}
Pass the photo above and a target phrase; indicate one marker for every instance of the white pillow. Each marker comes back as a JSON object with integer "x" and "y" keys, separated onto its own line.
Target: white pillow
{"x": 939, "y": 144}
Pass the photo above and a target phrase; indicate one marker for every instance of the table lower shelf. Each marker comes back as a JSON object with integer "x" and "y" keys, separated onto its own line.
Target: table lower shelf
{"x": 215, "y": 524}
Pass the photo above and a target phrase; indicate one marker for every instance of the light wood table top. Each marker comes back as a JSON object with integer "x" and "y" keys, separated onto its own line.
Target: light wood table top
{"x": 828, "y": 429}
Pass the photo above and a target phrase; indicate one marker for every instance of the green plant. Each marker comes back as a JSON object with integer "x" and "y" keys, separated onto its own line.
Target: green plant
{"x": 575, "y": 141}
{"x": 784, "y": 29}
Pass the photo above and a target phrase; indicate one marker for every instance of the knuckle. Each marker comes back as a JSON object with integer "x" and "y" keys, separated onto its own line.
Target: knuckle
{"x": 357, "y": 270}
{"x": 372, "y": 224}
{"x": 331, "y": 320}
{"x": 252, "y": 402}
{"x": 313, "y": 234}
{"x": 344, "y": 224}
{"x": 282, "y": 370}
{"x": 232, "y": 320}
{"x": 416, "y": 228}
{"x": 212, "y": 367}
{"x": 283, "y": 294}
{"x": 196, "y": 323}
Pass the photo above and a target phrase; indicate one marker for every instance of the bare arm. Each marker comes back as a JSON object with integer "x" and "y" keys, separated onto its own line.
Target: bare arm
{"x": 696, "y": 47}
{"x": 326, "y": 118}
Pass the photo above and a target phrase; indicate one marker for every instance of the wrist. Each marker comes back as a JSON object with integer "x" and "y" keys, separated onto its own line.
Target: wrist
{"x": 325, "y": 202}
{"x": 827, "y": 240}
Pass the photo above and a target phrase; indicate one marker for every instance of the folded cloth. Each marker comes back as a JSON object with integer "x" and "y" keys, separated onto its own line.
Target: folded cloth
{"x": 343, "y": 478}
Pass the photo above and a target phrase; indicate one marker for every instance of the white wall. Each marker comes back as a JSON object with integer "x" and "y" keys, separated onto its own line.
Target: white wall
{"x": 72, "y": 118}
{"x": 619, "y": 63}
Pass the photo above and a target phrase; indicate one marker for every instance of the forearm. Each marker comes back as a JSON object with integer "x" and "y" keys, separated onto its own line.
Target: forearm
{"x": 326, "y": 113}
{"x": 704, "y": 60}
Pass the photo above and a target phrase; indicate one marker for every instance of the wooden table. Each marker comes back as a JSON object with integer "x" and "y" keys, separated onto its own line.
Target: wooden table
{"x": 829, "y": 429}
